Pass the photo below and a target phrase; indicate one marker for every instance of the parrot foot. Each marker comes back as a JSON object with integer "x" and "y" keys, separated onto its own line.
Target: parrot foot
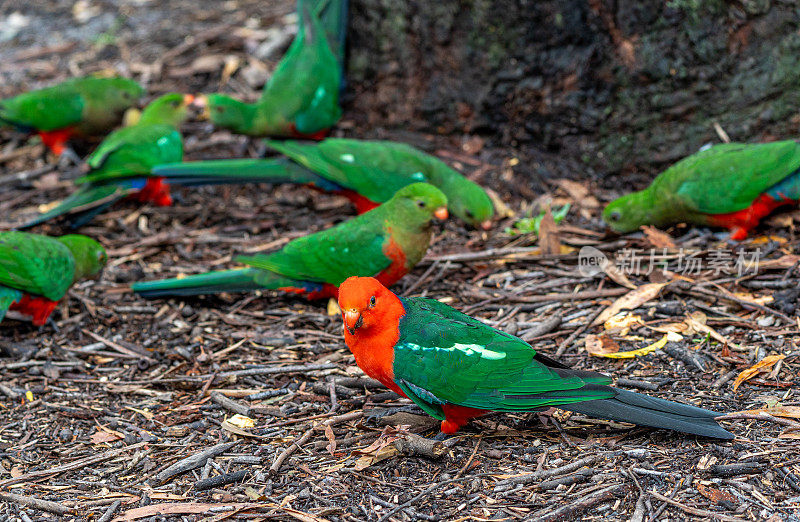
{"x": 442, "y": 436}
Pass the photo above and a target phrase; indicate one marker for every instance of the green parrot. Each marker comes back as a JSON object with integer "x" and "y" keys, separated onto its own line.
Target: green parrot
{"x": 732, "y": 185}
{"x": 86, "y": 106}
{"x": 385, "y": 242}
{"x": 36, "y": 271}
{"x": 455, "y": 367}
{"x": 333, "y": 16}
{"x": 121, "y": 164}
{"x": 301, "y": 98}
{"x": 366, "y": 172}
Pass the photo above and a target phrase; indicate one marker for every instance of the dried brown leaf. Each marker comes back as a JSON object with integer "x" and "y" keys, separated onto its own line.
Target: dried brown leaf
{"x": 658, "y": 238}
{"x": 549, "y": 241}
{"x": 754, "y": 370}
{"x": 631, "y": 300}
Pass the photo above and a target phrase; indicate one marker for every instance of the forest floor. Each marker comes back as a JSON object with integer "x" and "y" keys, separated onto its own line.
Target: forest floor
{"x": 249, "y": 406}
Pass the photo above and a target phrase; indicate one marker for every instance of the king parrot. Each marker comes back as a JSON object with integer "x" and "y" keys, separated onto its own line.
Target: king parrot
{"x": 36, "y": 270}
{"x": 385, "y": 242}
{"x": 455, "y": 367}
{"x": 301, "y": 98}
{"x": 732, "y": 185}
{"x": 86, "y": 106}
{"x": 366, "y": 172}
{"x": 333, "y": 17}
{"x": 121, "y": 164}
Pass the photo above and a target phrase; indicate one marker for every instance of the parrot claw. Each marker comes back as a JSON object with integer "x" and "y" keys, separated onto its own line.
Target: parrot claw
{"x": 442, "y": 436}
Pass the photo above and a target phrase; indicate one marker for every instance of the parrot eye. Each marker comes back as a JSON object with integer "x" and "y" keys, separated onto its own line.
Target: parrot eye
{"x": 420, "y": 203}
{"x": 469, "y": 214}
{"x": 372, "y": 301}
{"x": 615, "y": 216}
{"x": 219, "y": 109}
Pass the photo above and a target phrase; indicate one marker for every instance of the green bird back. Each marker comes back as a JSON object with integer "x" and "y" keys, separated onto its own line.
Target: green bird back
{"x": 724, "y": 178}
{"x": 135, "y": 150}
{"x": 359, "y": 246}
{"x": 91, "y": 105}
{"x": 377, "y": 169}
{"x": 444, "y": 356}
{"x": 46, "y": 266}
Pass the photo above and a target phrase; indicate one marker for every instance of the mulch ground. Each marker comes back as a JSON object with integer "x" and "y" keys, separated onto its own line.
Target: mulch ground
{"x": 249, "y": 406}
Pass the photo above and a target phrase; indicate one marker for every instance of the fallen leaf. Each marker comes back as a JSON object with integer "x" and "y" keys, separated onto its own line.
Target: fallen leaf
{"x": 365, "y": 461}
{"x": 503, "y": 210}
{"x": 623, "y": 322}
{"x": 578, "y": 192}
{"x": 789, "y": 412}
{"x": 658, "y": 238}
{"x": 633, "y": 299}
{"x": 549, "y": 242}
{"x": 601, "y": 345}
{"x": 331, "y": 447}
{"x": 636, "y": 353}
{"x": 241, "y": 421}
{"x": 473, "y": 145}
{"x": 714, "y": 494}
{"x": 754, "y": 370}
{"x": 105, "y": 435}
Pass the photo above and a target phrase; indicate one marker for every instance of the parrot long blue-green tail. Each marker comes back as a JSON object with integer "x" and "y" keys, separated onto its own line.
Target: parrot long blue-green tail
{"x": 237, "y": 280}
{"x": 240, "y": 171}
{"x": 83, "y": 205}
{"x": 8, "y": 296}
{"x": 644, "y": 410}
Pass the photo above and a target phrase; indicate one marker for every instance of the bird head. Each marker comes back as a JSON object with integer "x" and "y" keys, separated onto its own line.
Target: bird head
{"x": 90, "y": 256}
{"x": 170, "y": 109}
{"x": 365, "y": 303}
{"x": 629, "y": 212}
{"x": 121, "y": 94}
{"x": 228, "y": 113}
{"x": 415, "y": 205}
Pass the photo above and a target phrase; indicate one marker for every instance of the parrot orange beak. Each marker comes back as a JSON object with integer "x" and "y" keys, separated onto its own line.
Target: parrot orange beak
{"x": 441, "y": 213}
{"x": 486, "y": 225}
{"x": 201, "y": 102}
{"x": 352, "y": 320}
{"x": 188, "y": 99}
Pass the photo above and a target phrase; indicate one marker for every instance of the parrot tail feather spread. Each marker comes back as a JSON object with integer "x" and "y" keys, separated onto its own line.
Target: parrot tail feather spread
{"x": 455, "y": 367}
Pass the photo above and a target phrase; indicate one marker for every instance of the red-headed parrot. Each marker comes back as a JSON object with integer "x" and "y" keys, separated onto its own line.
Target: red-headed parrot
{"x": 301, "y": 98}
{"x": 732, "y": 185}
{"x": 385, "y": 242}
{"x": 366, "y": 172}
{"x": 36, "y": 270}
{"x": 121, "y": 164}
{"x": 87, "y": 106}
{"x": 455, "y": 367}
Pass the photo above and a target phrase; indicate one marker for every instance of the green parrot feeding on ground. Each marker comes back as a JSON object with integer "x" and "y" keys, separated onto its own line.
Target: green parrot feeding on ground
{"x": 301, "y": 99}
{"x": 86, "y": 106}
{"x": 455, "y": 367}
{"x": 36, "y": 270}
{"x": 732, "y": 185}
{"x": 366, "y": 172}
{"x": 385, "y": 243}
{"x": 121, "y": 164}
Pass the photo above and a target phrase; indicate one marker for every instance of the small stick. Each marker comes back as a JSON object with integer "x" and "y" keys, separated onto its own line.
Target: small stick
{"x": 230, "y": 404}
{"x": 193, "y": 461}
{"x": 569, "y": 340}
{"x": 695, "y": 511}
{"x": 36, "y": 503}
{"x": 567, "y": 512}
{"x": 110, "y": 511}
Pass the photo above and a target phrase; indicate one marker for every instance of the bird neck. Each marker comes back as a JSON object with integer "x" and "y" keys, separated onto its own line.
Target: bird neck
{"x": 373, "y": 344}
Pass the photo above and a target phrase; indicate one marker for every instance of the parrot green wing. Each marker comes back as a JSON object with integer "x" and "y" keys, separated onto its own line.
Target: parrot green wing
{"x": 35, "y": 264}
{"x": 304, "y": 89}
{"x": 134, "y": 151}
{"x": 45, "y": 110}
{"x": 322, "y": 257}
{"x": 729, "y": 177}
{"x": 444, "y": 356}
{"x": 88, "y": 197}
{"x": 376, "y": 170}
